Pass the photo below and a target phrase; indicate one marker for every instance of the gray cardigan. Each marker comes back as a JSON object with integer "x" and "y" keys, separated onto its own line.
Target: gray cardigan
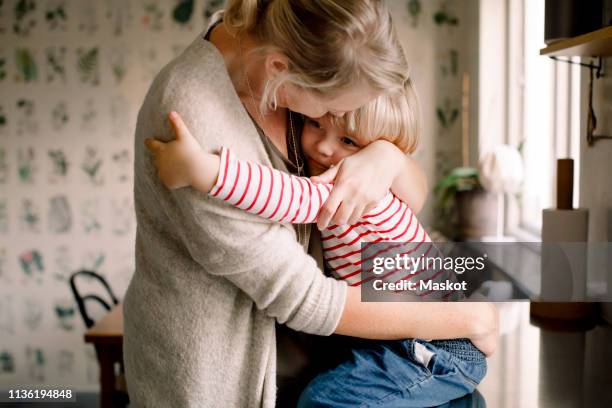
{"x": 210, "y": 279}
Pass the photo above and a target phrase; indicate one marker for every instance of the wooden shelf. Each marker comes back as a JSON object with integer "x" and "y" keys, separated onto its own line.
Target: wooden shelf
{"x": 594, "y": 44}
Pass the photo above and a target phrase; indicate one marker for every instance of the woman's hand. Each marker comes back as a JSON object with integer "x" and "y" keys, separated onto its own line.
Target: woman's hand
{"x": 182, "y": 162}
{"x": 486, "y": 334}
{"x": 360, "y": 182}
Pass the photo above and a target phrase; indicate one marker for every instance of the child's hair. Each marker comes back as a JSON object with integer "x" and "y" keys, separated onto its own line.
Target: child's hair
{"x": 331, "y": 45}
{"x": 393, "y": 116}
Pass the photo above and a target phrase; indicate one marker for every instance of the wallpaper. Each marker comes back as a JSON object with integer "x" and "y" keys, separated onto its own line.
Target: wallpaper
{"x": 72, "y": 77}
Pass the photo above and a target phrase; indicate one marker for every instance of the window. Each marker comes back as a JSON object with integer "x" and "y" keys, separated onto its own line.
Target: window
{"x": 543, "y": 116}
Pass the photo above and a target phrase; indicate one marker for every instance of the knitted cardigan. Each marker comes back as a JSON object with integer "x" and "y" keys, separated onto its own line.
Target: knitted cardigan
{"x": 211, "y": 279}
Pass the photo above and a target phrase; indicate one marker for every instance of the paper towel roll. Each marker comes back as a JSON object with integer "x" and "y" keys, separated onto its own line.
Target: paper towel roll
{"x": 565, "y": 225}
{"x": 564, "y": 266}
{"x": 564, "y": 255}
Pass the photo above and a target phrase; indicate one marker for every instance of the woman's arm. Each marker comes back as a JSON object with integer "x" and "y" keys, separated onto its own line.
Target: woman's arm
{"x": 425, "y": 320}
{"x": 410, "y": 185}
{"x": 362, "y": 179}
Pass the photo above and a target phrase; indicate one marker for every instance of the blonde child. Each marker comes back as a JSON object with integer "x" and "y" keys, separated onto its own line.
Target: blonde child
{"x": 445, "y": 369}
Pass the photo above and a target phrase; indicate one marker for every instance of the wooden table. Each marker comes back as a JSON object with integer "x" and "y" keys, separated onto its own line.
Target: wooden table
{"x": 107, "y": 337}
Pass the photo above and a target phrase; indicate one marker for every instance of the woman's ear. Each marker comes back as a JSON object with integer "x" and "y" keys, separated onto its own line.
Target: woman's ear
{"x": 276, "y": 64}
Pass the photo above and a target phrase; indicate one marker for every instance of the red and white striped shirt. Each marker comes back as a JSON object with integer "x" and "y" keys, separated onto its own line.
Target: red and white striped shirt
{"x": 286, "y": 198}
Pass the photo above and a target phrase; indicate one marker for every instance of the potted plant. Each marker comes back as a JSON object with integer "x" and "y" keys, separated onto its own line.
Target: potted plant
{"x": 467, "y": 210}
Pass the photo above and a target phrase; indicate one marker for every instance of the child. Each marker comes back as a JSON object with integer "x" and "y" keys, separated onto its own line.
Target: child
{"x": 285, "y": 198}
{"x": 452, "y": 368}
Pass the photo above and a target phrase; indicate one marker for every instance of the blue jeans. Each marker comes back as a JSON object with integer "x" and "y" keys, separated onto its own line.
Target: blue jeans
{"x": 406, "y": 373}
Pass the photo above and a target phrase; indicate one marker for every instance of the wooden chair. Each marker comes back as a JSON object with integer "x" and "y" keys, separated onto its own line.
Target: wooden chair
{"x": 120, "y": 396}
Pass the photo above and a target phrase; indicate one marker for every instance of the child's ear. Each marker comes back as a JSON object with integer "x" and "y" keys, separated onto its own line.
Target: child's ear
{"x": 276, "y": 64}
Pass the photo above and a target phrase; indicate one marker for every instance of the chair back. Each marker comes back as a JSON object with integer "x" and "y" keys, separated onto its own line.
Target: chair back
{"x": 81, "y": 300}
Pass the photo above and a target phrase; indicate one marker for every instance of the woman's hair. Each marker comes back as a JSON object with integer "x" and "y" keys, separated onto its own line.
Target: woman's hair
{"x": 330, "y": 44}
{"x": 394, "y": 117}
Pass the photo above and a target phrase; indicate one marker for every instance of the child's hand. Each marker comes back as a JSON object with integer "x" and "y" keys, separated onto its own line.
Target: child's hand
{"x": 176, "y": 161}
{"x": 182, "y": 162}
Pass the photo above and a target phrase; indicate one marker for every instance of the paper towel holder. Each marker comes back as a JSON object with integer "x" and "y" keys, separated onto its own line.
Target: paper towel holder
{"x": 541, "y": 310}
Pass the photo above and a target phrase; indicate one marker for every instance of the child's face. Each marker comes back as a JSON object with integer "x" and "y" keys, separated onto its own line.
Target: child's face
{"x": 325, "y": 144}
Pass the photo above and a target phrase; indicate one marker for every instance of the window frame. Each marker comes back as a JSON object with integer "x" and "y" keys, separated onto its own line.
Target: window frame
{"x": 565, "y": 115}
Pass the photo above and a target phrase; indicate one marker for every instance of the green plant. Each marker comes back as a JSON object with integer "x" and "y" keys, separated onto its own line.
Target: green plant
{"x": 458, "y": 180}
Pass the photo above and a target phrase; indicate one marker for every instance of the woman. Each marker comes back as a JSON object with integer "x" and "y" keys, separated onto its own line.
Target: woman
{"x": 211, "y": 281}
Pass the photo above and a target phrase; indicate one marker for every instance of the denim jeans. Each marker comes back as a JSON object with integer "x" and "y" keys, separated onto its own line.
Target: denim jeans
{"x": 406, "y": 373}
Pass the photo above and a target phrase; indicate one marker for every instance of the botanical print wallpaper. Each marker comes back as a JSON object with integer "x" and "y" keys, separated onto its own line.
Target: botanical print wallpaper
{"x": 72, "y": 76}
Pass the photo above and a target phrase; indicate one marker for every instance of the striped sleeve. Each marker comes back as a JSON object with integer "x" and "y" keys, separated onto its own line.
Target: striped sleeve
{"x": 267, "y": 192}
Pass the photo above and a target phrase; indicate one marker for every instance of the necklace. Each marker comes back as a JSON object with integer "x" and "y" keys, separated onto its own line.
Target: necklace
{"x": 301, "y": 228}
{"x": 299, "y": 165}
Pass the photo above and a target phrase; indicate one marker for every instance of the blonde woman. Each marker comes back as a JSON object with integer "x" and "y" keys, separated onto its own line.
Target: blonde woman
{"x": 211, "y": 281}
